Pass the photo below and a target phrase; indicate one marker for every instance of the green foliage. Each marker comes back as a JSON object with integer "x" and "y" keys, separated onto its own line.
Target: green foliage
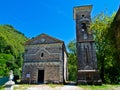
{"x": 72, "y": 62}
{"x": 113, "y": 37}
{"x": 101, "y": 27}
{"x": 72, "y": 47}
{"x": 7, "y": 60}
{"x": 11, "y": 50}
{"x": 102, "y": 87}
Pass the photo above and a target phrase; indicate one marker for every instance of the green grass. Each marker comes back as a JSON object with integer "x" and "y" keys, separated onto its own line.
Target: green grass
{"x": 102, "y": 87}
{"x": 54, "y": 85}
{"x": 21, "y": 87}
{"x": 1, "y": 88}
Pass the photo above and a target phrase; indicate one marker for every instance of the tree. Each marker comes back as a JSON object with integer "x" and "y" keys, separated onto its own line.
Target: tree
{"x": 104, "y": 49}
{"x": 114, "y": 37}
{"x": 72, "y": 62}
{"x": 6, "y": 62}
{"x": 11, "y": 50}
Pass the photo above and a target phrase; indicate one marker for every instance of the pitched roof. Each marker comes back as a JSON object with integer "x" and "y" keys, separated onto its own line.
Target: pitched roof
{"x": 43, "y": 39}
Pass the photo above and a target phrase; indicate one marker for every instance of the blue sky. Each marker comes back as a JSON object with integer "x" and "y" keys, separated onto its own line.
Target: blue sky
{"x": 53, "y": 17}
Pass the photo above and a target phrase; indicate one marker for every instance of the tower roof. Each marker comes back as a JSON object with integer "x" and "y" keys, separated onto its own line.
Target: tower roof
{"x": 82, "y": 8}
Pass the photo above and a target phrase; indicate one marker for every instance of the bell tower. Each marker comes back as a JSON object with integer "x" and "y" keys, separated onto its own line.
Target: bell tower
{"x": 86, "y": 55}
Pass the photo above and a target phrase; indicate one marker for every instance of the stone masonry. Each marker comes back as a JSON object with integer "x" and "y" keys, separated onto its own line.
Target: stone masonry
{"x": 45, "y": 60}
{"x": 86, "y": 55}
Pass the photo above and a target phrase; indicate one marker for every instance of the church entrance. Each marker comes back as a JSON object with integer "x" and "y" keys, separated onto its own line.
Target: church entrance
{"x": 40, "y": 76}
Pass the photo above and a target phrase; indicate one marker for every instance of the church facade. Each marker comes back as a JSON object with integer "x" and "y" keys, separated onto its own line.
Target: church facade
{"x": 45, "y": 60}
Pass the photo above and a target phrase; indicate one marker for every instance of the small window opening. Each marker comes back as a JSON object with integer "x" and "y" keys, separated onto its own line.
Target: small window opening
{"x": 83, "y": 26}
{"x": 42, "y": 54}
{"x": 83, "y": 15}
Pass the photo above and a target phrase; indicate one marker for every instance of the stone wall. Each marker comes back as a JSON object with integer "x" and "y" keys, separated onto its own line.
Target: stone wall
{"x": 47, "y": 57}
{"x": 53, "y": 72}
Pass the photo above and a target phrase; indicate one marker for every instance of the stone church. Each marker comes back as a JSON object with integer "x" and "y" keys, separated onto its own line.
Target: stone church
{"x": 45, "y": 60}
{"x": 86, "y": 55}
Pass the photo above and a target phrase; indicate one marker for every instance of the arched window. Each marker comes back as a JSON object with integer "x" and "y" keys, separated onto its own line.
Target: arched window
{"x": 42, "y": 54}
{"x": 83, "y": 26}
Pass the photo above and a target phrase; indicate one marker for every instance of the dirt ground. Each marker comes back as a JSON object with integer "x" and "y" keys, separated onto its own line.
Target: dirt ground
{"x": 65, "y": 87}
{"x": 46, "y": 87}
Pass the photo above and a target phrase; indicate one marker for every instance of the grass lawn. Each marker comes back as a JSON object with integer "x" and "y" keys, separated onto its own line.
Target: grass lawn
{"x": 102, "y": 87}
{"x": 55, "y": 85}
{"x": 21, "y": 86}
{"x": 2, "y": 88}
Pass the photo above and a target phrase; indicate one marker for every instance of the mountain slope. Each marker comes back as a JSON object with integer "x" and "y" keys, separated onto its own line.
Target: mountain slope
{"x": 11, "y": 50}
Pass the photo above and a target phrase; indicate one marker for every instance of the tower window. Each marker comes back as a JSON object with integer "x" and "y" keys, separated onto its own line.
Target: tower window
{"x": 83, "y": 15}
{"x": 83, "y": 26}
{"x": 42, "y": 54}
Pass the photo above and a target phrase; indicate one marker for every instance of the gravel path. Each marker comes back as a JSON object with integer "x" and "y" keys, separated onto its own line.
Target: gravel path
{"x": 46, "y": 87}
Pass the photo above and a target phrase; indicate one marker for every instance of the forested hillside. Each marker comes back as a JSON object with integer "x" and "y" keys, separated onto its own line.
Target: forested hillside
{"x": 11, "y": 50}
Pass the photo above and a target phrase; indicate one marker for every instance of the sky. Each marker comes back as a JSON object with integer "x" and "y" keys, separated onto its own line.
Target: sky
{"x": 53, "y": 17}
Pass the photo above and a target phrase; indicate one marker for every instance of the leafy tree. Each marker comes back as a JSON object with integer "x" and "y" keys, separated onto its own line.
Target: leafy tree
{"x": 11, "y": 50}
{"x": 6, "y": 61}
{"x": 114, "y": 38}
{"x": 104, "y": 48}
{"x": 2, "y": 43}
{"x": 72, "y": 62}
